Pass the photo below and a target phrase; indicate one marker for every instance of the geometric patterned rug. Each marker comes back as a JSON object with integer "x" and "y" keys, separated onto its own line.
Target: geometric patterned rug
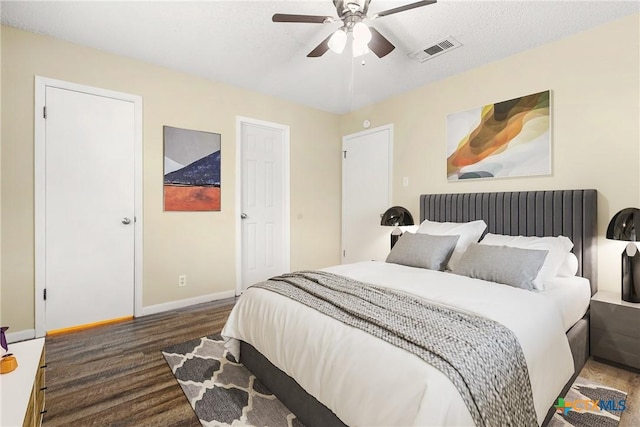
{"x": 221, "y": 391}
{"x": 589, "y": 404}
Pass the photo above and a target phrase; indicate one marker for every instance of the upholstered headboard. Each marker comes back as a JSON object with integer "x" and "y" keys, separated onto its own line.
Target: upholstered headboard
{"x": 571, "y": 213}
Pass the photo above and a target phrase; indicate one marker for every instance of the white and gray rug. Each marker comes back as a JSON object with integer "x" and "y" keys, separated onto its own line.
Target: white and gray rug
{"x": 221, "y": 391}
{"x": 589, "y": 404}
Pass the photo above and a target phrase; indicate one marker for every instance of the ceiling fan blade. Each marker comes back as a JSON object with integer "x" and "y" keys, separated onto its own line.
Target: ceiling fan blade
{"x": 321, "y": 49}
{"x": 305, "y": 19}
{"x": 403, "y": 8}
{"x": 379, "y": 44}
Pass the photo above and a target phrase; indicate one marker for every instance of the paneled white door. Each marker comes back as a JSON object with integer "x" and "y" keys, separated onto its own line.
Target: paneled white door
{"x": 264, "y": 202}
{"x": 366, "y": 194}
{"x": 89, "y": 208}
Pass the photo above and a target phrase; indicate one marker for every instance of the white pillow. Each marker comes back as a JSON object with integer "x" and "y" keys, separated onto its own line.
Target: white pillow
{"x": 569, "y": 267}
{"x": 469, "y": 232}
{"x": 558, "y": 248}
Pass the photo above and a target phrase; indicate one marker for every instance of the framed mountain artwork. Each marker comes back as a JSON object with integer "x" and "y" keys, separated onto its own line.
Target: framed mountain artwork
{"x": 505, "y": 139}
{"x": 191, "y": 170}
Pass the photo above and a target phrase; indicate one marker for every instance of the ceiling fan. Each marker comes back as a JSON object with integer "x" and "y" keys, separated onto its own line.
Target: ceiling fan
{"x": 351, "y": 13}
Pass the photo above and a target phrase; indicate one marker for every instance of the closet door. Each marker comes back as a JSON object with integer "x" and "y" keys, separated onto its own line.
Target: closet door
{"x": 366, "y": 194}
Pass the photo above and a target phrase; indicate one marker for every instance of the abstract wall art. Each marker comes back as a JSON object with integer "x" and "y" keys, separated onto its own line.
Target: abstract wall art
{"x": 191, "y": 170}
{"x": 506, "y": 139}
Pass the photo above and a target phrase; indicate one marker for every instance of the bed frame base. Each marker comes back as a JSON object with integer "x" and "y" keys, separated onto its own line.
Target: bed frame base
{"x": 306, "y": 407}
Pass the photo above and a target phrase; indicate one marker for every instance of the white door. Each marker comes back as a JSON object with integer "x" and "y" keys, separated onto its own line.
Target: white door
{"x": 89, "y": 208}
{"x": 264, "y": 204}
{"x": 366, "y": 194}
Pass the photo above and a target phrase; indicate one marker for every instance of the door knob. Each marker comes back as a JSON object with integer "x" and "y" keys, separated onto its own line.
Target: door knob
{"x": 243, "y": 215}
{"x": 126, "y": 221}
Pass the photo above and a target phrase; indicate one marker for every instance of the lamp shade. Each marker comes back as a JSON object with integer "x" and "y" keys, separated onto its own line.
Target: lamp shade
{"x": 362, "y": 33}
{"x": 338, "y": 41}
{"x": 625, "y": 225}
{"x": 396, "y": 215}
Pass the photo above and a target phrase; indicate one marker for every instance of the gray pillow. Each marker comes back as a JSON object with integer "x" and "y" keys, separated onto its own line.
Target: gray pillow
{"x": 502, "y": 264}
{"x": 423, "y": 250}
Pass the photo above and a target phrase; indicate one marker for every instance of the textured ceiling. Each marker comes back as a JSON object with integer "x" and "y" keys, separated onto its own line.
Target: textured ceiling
{"x": 235, "y": 42}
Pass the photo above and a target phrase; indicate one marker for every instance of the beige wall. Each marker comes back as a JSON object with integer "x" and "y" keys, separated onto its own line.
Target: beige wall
{"x": 1, "y": 175}
{"x": 176, "y": 99}
{"x": 594, "y": 78}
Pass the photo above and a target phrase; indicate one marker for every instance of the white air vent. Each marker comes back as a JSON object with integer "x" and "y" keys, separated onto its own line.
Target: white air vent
{"x": 435, "y": 49}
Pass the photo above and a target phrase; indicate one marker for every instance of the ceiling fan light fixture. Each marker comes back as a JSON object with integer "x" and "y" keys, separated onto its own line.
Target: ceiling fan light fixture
{"x": 351, "y": 14}
{"x": 338, "y": 41}
{"x": 361, "y": 33}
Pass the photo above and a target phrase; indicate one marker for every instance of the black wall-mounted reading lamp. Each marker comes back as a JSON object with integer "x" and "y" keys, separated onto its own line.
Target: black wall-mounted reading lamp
{"x": 625, "y": 226}
{"x": 394, "y": 217}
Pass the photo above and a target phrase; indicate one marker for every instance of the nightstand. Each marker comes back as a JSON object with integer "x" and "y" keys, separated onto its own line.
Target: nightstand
{"x": 615, "y": 329}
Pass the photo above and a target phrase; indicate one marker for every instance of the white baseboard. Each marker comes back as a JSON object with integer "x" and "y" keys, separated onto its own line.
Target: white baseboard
{"x": 25, "y": 334}
{"x": 173, "y": 305}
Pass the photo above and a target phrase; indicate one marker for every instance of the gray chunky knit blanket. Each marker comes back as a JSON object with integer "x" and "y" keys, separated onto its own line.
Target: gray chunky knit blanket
{"x": 481, "y": 357}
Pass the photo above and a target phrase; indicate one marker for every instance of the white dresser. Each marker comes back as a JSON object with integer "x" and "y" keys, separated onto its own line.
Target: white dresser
{"x": 22, "y": 390}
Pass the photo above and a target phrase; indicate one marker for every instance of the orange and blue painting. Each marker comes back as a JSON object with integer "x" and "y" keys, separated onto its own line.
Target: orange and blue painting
{"x": 191, "y": 170}
{"x": 506, "y": 139}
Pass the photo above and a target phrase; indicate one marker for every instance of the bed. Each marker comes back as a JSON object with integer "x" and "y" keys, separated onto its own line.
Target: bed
{"x": 571, "y": 213}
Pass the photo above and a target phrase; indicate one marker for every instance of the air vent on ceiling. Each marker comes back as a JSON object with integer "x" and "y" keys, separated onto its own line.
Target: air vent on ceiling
{"x": 435, "y": 49}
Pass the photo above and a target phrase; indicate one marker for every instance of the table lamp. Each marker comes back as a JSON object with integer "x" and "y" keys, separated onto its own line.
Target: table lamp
{"x": 394, "y": 217}
{"x": 623, "y": 227}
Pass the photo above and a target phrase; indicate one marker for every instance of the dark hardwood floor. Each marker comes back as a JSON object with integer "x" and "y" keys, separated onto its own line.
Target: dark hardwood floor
{"x": 116, "y": 375}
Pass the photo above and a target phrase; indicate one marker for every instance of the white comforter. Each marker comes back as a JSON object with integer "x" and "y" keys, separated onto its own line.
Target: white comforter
{"x": 367, "y": 381}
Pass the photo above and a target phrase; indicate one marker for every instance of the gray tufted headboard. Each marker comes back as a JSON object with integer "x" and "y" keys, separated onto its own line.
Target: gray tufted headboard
{"x": 571, "y": 213}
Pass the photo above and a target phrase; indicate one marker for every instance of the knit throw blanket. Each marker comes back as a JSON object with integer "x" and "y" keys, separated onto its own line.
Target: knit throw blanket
{"x": 481, "y": 357}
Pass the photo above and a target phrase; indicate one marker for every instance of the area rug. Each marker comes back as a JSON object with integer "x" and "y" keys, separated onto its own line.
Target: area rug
{"x": 589, "y": 404}
{"x": 221, "y": 391}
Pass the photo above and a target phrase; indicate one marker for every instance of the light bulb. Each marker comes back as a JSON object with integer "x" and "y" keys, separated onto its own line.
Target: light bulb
{"x": 361, "y": 33}
{"x": 359, "y": 48}
{"x": 338, "y": 41}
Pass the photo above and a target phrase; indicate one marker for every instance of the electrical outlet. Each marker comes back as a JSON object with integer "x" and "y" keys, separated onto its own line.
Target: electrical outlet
{"x": 182, "y": 280}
